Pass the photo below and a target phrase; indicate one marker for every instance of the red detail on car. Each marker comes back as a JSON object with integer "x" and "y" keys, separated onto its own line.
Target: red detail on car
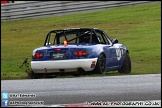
{"x": 57, "y": 49}
{"x": 80, "y": 53}
{"x": 38, "y": 55}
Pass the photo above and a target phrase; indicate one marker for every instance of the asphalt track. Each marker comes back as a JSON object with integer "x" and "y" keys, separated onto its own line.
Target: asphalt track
{"x": 86, "y": 89}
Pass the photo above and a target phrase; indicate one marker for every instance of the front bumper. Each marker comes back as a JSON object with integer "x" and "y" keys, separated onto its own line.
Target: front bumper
{"x": 65, "y": 65}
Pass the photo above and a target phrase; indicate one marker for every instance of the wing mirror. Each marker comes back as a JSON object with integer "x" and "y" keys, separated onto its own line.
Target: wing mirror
{"x": 114, "y": 41}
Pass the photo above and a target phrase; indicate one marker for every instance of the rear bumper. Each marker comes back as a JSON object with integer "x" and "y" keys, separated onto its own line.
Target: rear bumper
{"x": 65, "y": 65}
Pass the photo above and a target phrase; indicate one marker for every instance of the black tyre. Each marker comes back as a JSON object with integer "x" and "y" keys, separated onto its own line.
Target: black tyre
{"x": 101, "y": 65}
{"x": 126, "y": 67}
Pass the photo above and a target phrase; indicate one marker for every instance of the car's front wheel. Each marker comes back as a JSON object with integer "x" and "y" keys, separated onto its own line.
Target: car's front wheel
{"x": 126, "y": 67}
{"x": 101, "y": 65}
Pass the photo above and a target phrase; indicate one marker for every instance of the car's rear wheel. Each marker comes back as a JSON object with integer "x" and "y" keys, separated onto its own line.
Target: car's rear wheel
{"x": 101, "y": 65}
{"x": 126, "y": 67}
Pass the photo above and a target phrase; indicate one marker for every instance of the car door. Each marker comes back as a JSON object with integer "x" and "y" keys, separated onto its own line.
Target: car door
{"x": 111, "y": 52}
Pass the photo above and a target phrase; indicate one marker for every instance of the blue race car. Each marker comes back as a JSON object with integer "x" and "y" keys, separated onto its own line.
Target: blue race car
{"x": 79, "y": 50}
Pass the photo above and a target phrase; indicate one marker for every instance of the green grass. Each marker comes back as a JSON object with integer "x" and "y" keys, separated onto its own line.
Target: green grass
{"x": 137, "y": 27}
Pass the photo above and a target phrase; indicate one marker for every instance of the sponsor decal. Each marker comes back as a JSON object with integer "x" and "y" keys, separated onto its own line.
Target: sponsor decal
{"x": 118, "y": 53}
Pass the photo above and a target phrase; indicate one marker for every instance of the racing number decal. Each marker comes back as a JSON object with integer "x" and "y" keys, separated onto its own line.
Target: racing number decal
{"x": 118, "y": 53}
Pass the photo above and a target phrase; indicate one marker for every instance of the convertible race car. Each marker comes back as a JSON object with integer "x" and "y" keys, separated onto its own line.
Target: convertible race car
{"x": 79, "y": 50}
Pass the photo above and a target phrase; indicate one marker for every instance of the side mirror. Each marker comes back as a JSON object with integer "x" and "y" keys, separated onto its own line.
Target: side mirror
{"x": 114, "y": 41}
